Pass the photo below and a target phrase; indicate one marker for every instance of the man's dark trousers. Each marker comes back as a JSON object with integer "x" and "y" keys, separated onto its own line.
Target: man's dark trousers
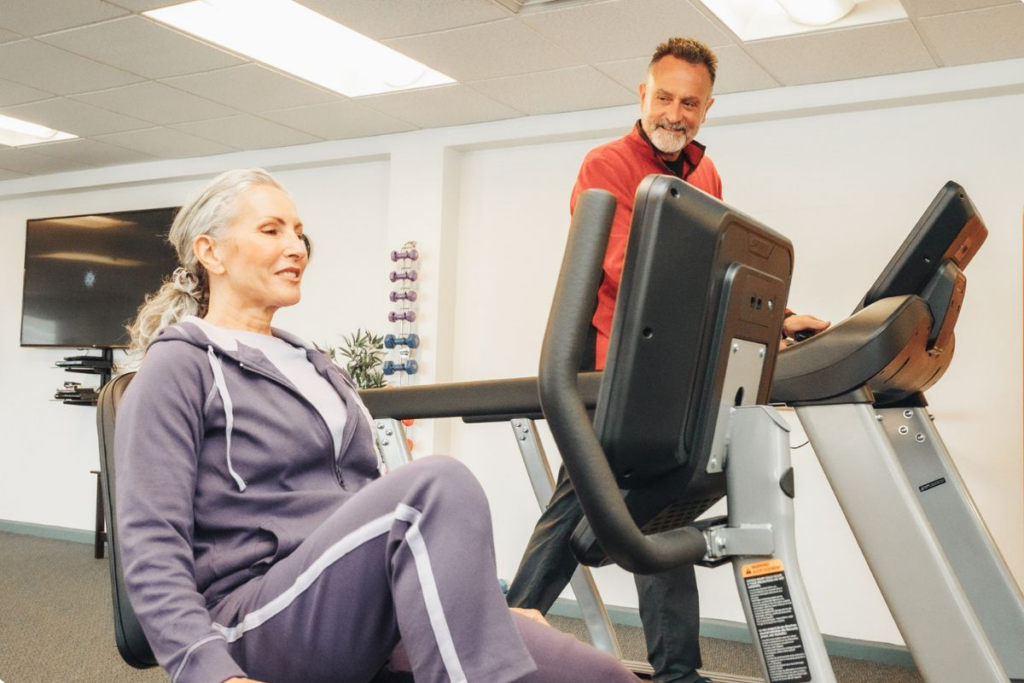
{"x": 669, "y": 604}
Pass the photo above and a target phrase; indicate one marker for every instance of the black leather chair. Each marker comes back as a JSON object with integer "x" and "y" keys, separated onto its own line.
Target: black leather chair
{"x": 131, "y": 641}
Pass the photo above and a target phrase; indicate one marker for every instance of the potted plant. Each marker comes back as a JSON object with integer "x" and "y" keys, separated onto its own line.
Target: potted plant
{"x": 362, "y": 355}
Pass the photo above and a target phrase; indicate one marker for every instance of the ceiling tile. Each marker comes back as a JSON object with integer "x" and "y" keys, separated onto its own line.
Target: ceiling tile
{"x": 6, "y": 174}
{"x": 157, "y": 103}
{"x": 980, "y": 36}
{"x": 91, "y": 152}
{"x": 928, "y": 8}
{"x": 380, "y": 20}
{"x": 252, "y": 88}
{"x": 447, "y": 105}
{"x": 338, "y": 120}
{"x": 608, "y": 31}
{"x": 166, "y": 143}
{"x": 43, "y": 66}
{"x": 626, "y": 72}
{"x": 72, "y": 116}
{"x": 142, "y": 47}
{"x": 246, "y": 132}
{"x": 547, "y": 92}
{"x": 15, "y": 93}
{"x": 33, "y": 18}
{"x": 500, "y": 48}
{"x": 843, "y": 54}
{"x": 24, "y": 161}
{"x": 737, "y": 72}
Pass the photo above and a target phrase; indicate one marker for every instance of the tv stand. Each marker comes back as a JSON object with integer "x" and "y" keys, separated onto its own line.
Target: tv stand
{"x": 72, "y": 393}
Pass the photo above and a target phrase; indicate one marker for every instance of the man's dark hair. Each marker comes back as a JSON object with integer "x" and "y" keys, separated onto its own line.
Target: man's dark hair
{"x": 688, "y": 50}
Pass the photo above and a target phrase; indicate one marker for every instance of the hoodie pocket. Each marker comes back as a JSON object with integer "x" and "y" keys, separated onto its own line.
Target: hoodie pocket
{"x": 267, "y": 548}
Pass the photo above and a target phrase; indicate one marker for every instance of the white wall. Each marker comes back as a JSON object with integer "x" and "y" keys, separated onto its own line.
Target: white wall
{"x": 51, "y": 447}
{"x": 844, "y": 170}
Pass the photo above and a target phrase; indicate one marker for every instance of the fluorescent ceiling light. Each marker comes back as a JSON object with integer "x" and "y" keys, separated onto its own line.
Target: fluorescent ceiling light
{"x": 16, "y": 133}
{"x": 295, "y": 39}
{"x": 759, "y": 19}
{"x": 816, "y": 12}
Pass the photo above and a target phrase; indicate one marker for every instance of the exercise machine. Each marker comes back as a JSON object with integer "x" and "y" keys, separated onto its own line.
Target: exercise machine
{"x": 682, "y": 418}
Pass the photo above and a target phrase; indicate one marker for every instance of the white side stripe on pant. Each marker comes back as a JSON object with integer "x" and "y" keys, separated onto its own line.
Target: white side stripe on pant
{"x": 431, "y": 597}
{"x": 364, "y": 534}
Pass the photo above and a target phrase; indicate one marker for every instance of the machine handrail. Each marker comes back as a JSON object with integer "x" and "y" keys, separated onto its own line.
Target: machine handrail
{"x": 478, "y": 401}
{"x": 584, "y": 458}
{"x": 855, "y": 351}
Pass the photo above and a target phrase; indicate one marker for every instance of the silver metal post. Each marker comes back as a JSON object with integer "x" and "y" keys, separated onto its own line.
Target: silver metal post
{"x": 391, "y": 443}
{"x": 761, "y": 541}
{"x": 956, "y": 522}
{"x": 587, "y": 596}
{"x": 915, "y": 577}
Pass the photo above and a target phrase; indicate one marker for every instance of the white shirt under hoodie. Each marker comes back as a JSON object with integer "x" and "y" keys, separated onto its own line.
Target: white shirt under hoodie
{"x": 292, "y": 362}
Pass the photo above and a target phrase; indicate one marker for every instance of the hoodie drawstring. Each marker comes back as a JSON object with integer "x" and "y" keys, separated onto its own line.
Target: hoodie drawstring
{"x": 225, "y": 397}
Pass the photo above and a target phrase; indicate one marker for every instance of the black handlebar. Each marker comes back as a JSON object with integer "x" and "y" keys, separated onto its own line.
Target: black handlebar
{"x": 584, "y": 458}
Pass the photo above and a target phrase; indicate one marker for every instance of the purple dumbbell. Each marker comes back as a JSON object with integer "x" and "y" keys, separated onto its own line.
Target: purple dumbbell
{"x": 407, "y": 295}
{"x": 391, "y": 341}
{"x": 410, "y": 254}
{"x": 410, "y": 276}
{"x": 407, "y": 316}
{"x": 391, "y": 367}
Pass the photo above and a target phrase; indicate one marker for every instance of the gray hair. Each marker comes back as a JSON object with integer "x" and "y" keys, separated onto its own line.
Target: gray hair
{"x": 209, "y": 211}
{"x": 688, "y": 50}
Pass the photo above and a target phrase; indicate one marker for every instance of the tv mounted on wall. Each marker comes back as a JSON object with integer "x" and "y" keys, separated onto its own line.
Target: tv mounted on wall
{"x": 86, "y": 276}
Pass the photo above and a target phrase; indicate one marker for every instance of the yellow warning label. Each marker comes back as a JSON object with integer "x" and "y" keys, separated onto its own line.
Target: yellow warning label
{"x": 762, "y": 568}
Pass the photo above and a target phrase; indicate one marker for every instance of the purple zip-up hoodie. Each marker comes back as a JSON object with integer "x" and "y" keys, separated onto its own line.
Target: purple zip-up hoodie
{"x": 223, "y": 469}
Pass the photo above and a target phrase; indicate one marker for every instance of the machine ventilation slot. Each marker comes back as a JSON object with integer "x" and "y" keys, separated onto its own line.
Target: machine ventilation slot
{"x": 677, "y": 515}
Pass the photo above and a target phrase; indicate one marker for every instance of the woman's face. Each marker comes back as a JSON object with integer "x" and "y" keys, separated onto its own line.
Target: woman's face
{"x": 263, "y": 254}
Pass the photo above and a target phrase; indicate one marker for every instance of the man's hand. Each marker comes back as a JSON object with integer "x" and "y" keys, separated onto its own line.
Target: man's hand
{"x": 795, "y": 324}
{"x": 531, "y": 614}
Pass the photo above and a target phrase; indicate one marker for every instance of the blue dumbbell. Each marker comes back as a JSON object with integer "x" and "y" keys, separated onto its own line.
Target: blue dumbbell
{"x": 410, "y": 254}
{"x": 409, "y": 367}
{"x": 408, "y": 316}
{"x": 409, "y": 295}
{"x": 391, "y": 341}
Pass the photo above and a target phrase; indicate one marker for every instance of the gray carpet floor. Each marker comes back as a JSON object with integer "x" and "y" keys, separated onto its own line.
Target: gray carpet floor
{"x": 56, "y": 625}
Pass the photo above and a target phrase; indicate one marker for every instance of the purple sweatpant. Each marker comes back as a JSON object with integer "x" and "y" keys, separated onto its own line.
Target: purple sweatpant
{"x": 409, "y": 558}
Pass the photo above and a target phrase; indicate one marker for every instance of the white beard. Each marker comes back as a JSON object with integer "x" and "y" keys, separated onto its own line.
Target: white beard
{"x": 668, "y": 141}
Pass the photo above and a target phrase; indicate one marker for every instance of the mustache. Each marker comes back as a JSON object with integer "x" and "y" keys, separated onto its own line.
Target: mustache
{"x": 674, "y": 127}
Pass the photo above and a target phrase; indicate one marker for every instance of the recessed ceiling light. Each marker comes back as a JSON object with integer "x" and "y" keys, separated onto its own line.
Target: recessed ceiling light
{"x": 758, "y": 19}
{"x": 16, "y": 133}
{"x": 297, "y": 40}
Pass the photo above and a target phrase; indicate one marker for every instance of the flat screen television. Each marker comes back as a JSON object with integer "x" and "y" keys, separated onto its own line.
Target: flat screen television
{"x": 86, "y": 276}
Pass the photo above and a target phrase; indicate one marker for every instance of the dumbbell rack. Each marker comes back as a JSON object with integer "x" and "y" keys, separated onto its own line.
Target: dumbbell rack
{"x": 404, "y": 341}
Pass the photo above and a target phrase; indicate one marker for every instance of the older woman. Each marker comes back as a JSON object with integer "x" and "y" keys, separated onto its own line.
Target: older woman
{"x": 259, "y": 539}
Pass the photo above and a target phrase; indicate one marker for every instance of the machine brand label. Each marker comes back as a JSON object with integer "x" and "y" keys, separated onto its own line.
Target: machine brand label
{"x": 762, "y": 248}
{"x": 932, "y": 484}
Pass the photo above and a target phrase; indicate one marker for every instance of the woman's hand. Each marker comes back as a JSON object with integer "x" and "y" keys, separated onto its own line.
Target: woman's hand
{"x": 531, "y": 614}
{"x": 240, "y": 680}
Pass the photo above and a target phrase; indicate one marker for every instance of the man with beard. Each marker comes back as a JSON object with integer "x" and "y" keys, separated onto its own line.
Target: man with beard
{"x": 674, "y": 101}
